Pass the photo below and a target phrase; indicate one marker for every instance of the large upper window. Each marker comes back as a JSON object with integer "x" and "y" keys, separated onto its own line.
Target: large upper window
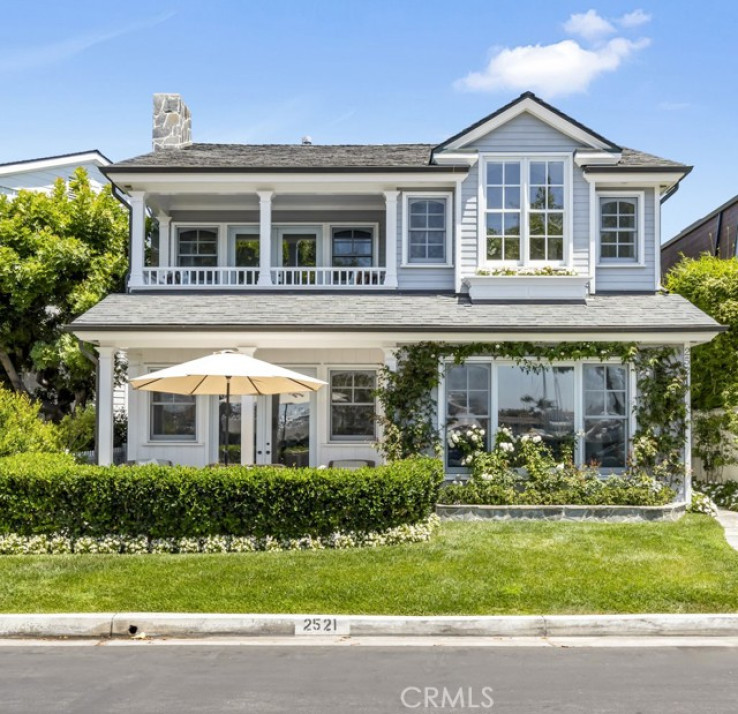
{"x": 525, "y": 210}
{"x": 353, "y": 248}
{"x": 197, "y": 247}
{"x": 619, "y": 222}
{"x": 353, "y": 406}
{"x": 172, "y": 417}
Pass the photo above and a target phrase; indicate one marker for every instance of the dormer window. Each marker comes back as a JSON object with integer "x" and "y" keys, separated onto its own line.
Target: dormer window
{"x": 621, "y": 224}
{"x": 525, "y": 209}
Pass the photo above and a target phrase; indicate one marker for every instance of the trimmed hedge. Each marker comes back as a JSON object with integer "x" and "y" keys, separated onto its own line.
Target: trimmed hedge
{"x": 44, "y": 494}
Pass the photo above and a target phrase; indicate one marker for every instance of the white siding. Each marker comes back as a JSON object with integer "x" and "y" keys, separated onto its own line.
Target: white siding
{"x": 636, "y": 279}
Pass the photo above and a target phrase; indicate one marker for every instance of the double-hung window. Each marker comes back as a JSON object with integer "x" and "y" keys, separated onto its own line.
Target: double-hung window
{"x": 197, "y": 247}
{"x": 427, "y": 234}
{"x": 525, "y": 211}
{"x": 353, "y": 408}
{"x": 352, "y": 248}
{"x": 172, "y": 417}
{"x": 621, "y": 231}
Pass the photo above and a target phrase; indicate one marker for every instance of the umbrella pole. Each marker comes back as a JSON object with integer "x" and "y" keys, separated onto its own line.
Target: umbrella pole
{"x": 228, "y": 418}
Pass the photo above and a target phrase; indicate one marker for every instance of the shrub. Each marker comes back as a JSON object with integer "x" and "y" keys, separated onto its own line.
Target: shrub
{"x": 77, "y": 430}
{"x": 523, "y": 471}
{"x": 21, "y": 428}
{"x": 44, "y": 494}
{"x": 724, "y": 495}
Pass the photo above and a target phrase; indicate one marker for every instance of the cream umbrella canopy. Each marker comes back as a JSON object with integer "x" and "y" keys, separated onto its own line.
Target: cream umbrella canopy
{"x": 227, "y": 372}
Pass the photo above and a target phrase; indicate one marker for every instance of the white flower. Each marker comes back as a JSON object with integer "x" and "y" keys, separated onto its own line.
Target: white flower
{"x": 507, "y": 446}
{"x": 525, "y": 437}
{"x": 486, "y": 477}
{"x": 482, "y": 432}
{"x": 559, "y": 467}
{"x": 536, "y": 439}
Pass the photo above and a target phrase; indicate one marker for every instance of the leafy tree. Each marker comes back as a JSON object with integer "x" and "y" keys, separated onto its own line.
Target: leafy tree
{"x": 60, "y": 253}
{"x": 712, "y": 285}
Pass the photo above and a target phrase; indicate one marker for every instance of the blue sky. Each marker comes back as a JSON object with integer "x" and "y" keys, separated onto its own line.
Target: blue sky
{"x": 657, "y": 76}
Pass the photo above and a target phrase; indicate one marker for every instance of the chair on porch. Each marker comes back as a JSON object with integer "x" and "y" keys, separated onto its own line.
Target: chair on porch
{"x": 352, "y": 464}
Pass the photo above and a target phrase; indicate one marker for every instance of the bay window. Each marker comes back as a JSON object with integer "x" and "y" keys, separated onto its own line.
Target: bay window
{"x": 525, "y": 209}
{"x": 578, "y": 408}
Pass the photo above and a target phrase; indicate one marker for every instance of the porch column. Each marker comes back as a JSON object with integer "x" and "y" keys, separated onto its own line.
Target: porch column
{"x": 688, "y": 445}
{"x": 390, "y": 198}
{"x": 265, "y": 237}
{"x": 164, "y": 225}
{"x": 105, "y": 385}
{"x": 138, "y": 234}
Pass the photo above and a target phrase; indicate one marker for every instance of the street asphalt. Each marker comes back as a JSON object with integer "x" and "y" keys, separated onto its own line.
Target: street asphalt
{"x": 205, "y": 678}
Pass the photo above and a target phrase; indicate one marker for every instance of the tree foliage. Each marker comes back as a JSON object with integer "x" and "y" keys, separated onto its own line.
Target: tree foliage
{"x": 60, "y": 253}
{"x": 712, "y": 285}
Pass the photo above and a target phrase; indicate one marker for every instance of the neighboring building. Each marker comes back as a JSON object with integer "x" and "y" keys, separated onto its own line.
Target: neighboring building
{"x": 326, "y": 258}
{"x": 41, "y": 174}
{"x": 715, "y": 234}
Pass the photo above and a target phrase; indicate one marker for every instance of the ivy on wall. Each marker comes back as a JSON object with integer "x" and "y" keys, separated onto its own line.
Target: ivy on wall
{"x": 409, "y": 407}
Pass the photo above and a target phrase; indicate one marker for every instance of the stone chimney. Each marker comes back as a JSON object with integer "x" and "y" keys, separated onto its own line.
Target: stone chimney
{"x": 172, "y": 122}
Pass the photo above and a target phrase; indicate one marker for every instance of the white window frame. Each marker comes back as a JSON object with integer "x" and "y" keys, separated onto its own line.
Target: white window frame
{"x": 220, "y": 231}
{"x": 446, "y": 197}
{"x": 640, "y": 260}
{"x": 373, "y": 227}
{"x": 578, "y": 397}
{"x": 147, "y": 421}
{"x": 362, "y": 440}
{"x": 525, "y": 160}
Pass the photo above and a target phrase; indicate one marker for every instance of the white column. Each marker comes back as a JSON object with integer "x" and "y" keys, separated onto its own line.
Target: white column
{"x": 390, "y": 278}
{"x": 688, "y": 440}
{"x": 105, "y": 385}
{"x": 164, "y": 241}
{"x": 138, "y": 234}
{"x": 265, "y": 237}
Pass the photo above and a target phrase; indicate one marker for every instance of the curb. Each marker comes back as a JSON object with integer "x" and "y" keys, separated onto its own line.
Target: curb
{"x": 184, "y": 625}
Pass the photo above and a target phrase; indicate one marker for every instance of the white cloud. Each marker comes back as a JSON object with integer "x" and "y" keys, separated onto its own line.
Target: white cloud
{"x": 14, "y": 60}
{"x": 589, "y": 25}
{"x": 634, "y": 19}
{"x": 550, "y": 70}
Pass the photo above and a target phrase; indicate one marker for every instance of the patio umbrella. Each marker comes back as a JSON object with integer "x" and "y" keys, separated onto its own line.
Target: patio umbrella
{"x": 227, "y": 372}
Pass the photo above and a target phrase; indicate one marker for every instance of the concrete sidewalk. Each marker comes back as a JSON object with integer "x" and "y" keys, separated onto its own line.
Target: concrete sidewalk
{"x": 184, "y": 625}
{"x": 729, "y": 521}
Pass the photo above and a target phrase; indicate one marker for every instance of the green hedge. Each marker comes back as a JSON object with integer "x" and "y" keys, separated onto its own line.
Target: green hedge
{"x": 42, "y": 494}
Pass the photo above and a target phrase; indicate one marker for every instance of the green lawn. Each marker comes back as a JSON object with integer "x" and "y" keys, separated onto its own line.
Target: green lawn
{"x": 468, "y": 568}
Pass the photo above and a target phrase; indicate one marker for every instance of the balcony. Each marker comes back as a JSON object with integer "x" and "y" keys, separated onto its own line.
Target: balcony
{"x": 245, "y": 278}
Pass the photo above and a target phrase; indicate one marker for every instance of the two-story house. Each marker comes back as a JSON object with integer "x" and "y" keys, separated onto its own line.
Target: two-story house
{"x": 325, "y": 259}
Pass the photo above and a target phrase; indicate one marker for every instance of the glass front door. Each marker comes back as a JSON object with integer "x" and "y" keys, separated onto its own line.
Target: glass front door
{"x": 283, "y": 433}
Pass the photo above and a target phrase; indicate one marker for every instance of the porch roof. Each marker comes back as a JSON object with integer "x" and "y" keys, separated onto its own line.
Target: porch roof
{"x": 389, "y": 312}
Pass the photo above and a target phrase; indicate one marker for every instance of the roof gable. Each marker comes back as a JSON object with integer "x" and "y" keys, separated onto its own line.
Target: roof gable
{"x": 530, "y": 104}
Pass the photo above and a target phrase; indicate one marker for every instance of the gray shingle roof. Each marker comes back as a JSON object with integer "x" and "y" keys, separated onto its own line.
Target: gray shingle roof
{"x": 321, "y": 156}
{"x": 395, "y": 312}
{"x": 286, "y": 156}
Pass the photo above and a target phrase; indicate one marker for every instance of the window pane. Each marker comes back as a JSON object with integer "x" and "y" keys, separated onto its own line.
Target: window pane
{"x": 555, "y": 224}
{"x": 494, "y": 248}
{"x": 512, "y": 197}
{"x": 538, "y": 403}
{"x": 494, "y": 197}
{"x": 494, "y": 224}
{"x": 538, "y": 172}
{"x": 605, "y": 442}
{"x": 537, "y": 248}
{"x": 556, "y": 198}
{"x": 512, "y": 248}
{"x": 512, "y": 224}
{"x": 512, "y": 173}
{"x": 556, "y": 172}
{"x": 555, "y": 249}
{"x": 494, "y": 173}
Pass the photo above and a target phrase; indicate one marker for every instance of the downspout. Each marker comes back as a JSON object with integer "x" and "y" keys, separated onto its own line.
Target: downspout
{"x": 718, "y": 231}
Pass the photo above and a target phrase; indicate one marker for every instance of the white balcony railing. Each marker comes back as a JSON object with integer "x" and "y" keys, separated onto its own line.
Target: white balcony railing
{"x": 200, "y": 277}
{"x": 228, "y": 277}
{"x": 328, "y": 277}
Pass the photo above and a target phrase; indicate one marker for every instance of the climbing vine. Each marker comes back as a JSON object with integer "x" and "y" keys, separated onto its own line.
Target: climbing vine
{"x": 409, "y": 405}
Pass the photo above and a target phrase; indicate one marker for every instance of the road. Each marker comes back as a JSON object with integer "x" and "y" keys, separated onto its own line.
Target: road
{"x": 221, "y": 678}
